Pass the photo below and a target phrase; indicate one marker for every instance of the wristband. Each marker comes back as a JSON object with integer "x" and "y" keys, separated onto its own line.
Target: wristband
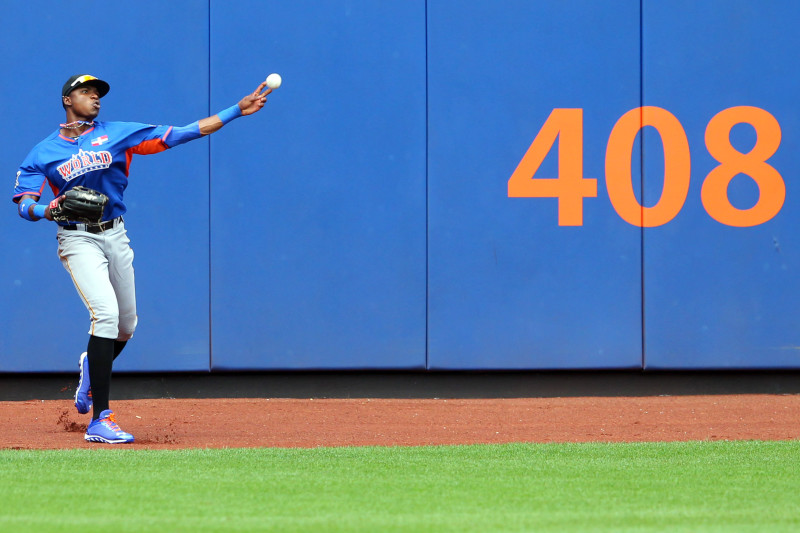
{"x": 38, "y": 210}
{"x": 24, "y": 208}
{"x": 226, "y": 115}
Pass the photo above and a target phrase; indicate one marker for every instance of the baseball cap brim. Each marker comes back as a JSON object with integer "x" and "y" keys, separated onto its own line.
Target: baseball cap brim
{"x": 79, "y": 80}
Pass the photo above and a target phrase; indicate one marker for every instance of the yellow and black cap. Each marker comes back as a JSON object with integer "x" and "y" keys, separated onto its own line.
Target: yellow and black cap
{"x": 79, "y": 80}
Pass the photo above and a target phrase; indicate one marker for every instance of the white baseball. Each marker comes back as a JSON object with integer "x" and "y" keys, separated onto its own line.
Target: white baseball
{"x": 274, "y": 81}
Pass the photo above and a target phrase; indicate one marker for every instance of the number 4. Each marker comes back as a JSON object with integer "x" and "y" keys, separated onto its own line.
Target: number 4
{"x": 569, "y": 187}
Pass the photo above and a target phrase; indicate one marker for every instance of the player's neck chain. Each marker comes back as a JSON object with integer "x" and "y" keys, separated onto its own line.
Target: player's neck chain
{"x": 75, "y": 125}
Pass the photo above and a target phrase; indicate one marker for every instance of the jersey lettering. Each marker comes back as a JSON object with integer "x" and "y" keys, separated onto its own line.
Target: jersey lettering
{"x": 83, "y": 162}
{"x": 62, "y": 162}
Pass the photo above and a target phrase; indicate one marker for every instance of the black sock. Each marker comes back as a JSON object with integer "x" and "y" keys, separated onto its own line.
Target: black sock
{"x": 118, "y": 347}
{"x": 101, "y": 356}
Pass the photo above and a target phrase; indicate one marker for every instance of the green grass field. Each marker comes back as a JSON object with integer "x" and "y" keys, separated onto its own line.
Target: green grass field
{"x": 696, "y": 486}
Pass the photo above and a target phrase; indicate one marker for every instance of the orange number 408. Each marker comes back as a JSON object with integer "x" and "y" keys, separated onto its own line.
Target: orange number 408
{"x": 570, "y": 187}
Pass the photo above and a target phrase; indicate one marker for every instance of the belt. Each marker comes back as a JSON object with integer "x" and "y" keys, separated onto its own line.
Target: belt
{"x": 94, "y": 228}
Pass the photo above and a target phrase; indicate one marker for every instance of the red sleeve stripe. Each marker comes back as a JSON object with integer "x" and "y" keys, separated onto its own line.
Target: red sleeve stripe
{"x": 17, "y": 197}
{"x": 38, "y": 195}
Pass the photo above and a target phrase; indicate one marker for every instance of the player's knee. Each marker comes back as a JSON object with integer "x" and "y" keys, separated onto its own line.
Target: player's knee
{"x": 127, "y": 325}
{"x": 105, "y": 325}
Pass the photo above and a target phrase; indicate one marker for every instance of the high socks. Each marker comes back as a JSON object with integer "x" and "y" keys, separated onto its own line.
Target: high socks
{"x": 100, "y": 353}
{"x": 118, "y": 347}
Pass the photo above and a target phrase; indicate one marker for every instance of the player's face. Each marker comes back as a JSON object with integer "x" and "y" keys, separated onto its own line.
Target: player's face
{"x": 85, "y": 102}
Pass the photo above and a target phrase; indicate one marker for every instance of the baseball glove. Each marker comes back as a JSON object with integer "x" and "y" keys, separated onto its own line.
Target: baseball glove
{"x": 79, "y": 204}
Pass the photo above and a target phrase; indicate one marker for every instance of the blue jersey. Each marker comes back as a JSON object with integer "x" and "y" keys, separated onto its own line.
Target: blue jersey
{"x": 99, "y": 159}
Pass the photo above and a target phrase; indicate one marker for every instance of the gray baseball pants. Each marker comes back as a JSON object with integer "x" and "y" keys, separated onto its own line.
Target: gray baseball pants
{"x": 101, "y": 267}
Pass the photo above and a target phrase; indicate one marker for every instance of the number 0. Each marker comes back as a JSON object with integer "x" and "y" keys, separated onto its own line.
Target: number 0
{"x": 677, "y": 167}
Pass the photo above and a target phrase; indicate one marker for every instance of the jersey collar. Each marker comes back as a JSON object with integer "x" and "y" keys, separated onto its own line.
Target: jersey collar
{"x": 75, "y": 139}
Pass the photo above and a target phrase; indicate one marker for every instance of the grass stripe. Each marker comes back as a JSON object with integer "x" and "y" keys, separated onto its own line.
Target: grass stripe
{"x": 694, "y": 486}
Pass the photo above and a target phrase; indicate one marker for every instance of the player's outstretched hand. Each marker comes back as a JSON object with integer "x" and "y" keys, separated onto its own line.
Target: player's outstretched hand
{"x": 254, "y": 101}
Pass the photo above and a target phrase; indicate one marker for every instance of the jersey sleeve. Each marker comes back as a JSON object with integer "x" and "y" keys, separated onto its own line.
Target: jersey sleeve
{"x": 154, "y": 139}
{"x": 143, "y": 138}
{"x": 30, "y": 179}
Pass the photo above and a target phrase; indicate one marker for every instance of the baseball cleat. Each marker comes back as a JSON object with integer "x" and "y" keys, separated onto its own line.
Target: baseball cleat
{"x": 83, "y": 394}
{"x": 105, "y": 429}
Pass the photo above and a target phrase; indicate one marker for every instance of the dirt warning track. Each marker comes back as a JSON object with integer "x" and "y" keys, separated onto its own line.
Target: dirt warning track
{"x": 217, "y": 423}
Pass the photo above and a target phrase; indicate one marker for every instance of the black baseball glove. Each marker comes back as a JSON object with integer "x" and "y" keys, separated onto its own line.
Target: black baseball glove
{"x": 79, "y": 204}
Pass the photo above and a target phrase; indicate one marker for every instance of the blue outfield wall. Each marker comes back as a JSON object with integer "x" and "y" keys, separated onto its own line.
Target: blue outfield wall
{"x": 318, "y": 207}
{"x": 157, "y": 76}
{"x": 720, "y": 296}
{"x": 438, "y": 185}
{"x": 507, "y": 287}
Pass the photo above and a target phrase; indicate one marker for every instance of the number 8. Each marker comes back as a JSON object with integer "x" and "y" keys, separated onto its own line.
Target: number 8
{"x": 772, "y": 189}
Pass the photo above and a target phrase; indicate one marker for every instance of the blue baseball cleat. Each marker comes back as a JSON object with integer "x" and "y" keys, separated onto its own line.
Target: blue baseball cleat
{"x": 83, "y": 394}
{"x": 105, "y": 429}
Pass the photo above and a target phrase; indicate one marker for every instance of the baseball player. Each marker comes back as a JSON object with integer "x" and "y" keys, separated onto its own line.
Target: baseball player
{"x": 91, "y": 159}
